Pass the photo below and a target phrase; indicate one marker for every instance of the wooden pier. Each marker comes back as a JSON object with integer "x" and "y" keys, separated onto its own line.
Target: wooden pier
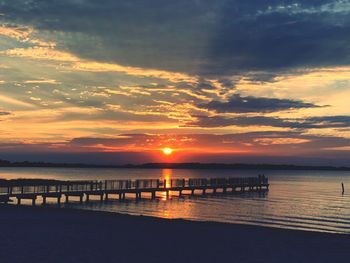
{"x": 19, "y": 190}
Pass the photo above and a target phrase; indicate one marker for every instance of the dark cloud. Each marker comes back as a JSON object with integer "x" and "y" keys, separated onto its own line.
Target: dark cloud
{"x": 121, "y": 140}
{"x": 336, "y": 121}
{"x": 245, "y": 121}
{"x": 219, "y": 121}
{"x": 197, "y": 36}
{"x": 4, "y": 113}
{"x": 238, "y": 104}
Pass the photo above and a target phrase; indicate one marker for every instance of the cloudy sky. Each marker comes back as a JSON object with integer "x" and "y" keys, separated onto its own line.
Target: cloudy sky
{"x": 229, "y": 80}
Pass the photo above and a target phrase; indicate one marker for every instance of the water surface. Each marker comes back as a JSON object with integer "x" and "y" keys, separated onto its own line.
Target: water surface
{"x": 305, "y": 200}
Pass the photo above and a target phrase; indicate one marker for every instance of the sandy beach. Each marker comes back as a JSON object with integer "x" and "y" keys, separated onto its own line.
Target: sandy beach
{"x": 63, "y": 235}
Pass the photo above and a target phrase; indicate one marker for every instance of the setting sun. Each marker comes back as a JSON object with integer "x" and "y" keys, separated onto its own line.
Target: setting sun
{"x": 167, "y": 151}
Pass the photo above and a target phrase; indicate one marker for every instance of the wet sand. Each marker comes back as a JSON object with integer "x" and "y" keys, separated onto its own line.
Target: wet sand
{"x": 40, "y": 234}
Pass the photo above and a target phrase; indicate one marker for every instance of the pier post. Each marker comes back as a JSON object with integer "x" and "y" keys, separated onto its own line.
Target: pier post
{"x": 87, "y": 197}
{"x": 107, "y": 197}
{"x": 59, "y": 200}
{"x": 44, "y": 200}
{"x": 204, "y": 191}
{"x": 67, "y": 199}
{"x": 81, "y": 199}
{"x": 18, "y": 201}
{"x": 101, "y": 197}
{"x": 192, "y": 192}
{"x": 167, "y": 194}
{"x": 153, "y": 194}
{"x": 33, "y": 201}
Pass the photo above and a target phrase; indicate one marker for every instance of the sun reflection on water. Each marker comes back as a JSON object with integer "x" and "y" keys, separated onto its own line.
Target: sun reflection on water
{"x": 167, "y": 176}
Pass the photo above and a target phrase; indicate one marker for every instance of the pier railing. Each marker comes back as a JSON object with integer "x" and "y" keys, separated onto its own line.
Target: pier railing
{"x": 42, "y": 186}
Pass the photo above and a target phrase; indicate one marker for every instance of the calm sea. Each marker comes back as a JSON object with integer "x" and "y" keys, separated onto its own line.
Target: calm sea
{"x": 305, "y": 200}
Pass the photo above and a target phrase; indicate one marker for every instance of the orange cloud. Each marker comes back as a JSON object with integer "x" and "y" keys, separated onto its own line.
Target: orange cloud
{"x": 19, "y": 33}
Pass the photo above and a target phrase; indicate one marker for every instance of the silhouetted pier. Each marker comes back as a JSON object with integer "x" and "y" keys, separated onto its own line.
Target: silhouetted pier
{"x": 119, "y": 189}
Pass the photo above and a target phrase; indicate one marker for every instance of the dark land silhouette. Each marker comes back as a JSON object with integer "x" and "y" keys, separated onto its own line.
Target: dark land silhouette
{"x": 237, "y": 166}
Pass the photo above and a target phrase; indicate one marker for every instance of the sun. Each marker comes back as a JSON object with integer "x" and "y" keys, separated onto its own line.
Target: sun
{"x": 167, "y": 151}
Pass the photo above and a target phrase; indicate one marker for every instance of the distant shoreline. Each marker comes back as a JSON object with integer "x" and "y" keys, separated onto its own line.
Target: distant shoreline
{"x": 216, "y": 166}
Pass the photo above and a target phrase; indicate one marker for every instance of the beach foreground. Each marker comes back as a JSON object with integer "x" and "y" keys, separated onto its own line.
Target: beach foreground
{"x": 63, "y": 235}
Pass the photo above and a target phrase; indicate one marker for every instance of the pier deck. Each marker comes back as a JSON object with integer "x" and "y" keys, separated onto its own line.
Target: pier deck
{"x": 44, "y": 189}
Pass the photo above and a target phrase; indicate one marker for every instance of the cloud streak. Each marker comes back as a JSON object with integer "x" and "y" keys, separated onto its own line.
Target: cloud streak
{"x": 44, "y": 53}
{"x": 12, "y": 101}
{"x": 299, "y": 123}
{"x": 238, "y": 104}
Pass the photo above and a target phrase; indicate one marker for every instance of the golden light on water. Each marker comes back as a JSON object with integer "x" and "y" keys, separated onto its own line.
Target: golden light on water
{"x": 167, "y": 175}
{"x": 167, "y": 151}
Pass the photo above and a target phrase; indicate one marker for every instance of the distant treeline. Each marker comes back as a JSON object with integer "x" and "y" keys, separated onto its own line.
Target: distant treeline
{"x": 237, "y": 166}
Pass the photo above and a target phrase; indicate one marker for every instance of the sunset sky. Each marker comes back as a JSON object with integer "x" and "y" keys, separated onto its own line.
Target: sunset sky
{"x": 216, "y": 81}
